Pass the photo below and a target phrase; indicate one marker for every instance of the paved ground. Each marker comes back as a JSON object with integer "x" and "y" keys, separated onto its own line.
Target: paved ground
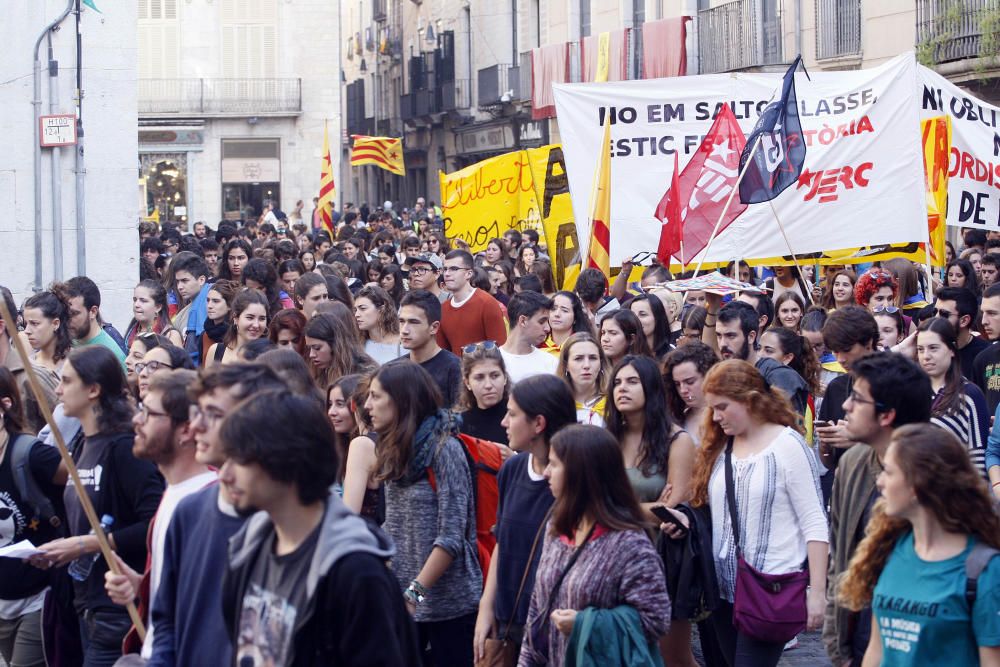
{"x": 809, "y": 652}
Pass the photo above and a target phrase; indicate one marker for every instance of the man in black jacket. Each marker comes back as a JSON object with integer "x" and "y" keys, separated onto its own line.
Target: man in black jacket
{"x": 307, "y": 582}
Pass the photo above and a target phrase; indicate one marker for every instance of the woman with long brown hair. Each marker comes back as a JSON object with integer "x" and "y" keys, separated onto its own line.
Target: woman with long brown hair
{"x": 429, "y": 508}
{"x": 333, "y": 346}
{"x": 596, "y": 552}
{"x": 751, "y": 427}
{"x": 911, "y": 567}
{"x": 585, "y": 369}
{"x": 839, "y": 290}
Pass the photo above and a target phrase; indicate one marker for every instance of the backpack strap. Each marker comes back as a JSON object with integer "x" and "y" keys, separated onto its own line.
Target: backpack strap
{"x": 975, "y": 563}
{"x": 24, "y": 480}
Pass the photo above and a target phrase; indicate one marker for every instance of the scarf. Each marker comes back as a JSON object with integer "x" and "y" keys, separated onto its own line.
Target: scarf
{"x": 431, "y": 435}
{"x": 216, "y": 332}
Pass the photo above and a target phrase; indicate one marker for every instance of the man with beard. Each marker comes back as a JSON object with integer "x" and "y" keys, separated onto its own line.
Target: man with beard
{"x": 187, "y": 610}
{"x": 85, "y": 324}
{"x": 307, "y": 581}
{"x": 735, "y": 337}
{"x": 163, "y": 435}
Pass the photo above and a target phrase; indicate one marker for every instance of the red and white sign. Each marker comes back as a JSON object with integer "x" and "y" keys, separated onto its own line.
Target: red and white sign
{"x": 58, "y": 130}
{"x": 862, "y": 182}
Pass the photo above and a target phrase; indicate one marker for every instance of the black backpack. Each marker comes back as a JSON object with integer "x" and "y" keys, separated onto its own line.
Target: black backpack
{"x": 975, "y": 563}
{"x": 20, "y": 467}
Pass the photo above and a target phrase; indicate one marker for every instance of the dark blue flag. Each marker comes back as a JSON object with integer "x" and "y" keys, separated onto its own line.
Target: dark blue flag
{"x": 778, "y": 160}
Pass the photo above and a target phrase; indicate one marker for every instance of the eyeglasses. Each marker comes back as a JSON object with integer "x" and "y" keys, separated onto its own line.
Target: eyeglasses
{"x": 486, "y": 345}
{"x": 855, "y": 397}
{"x": 146, "y": 413}
{"x": 153, "y": 366}
{"x": 419, "y": 270}
{"x": 943, "y": 313}
{"x": 892, "y": 310}
{"x": 453, "y": 269}
{"x": 210, "y": 416}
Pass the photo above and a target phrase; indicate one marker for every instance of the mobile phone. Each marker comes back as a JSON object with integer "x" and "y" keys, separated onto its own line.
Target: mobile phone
{"x": 819, "y": 423}
{"x": 666, "y": 516}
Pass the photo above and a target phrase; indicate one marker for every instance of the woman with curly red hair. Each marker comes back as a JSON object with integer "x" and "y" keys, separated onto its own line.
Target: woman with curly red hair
{"x": 876, "y": 289}
{"x": 750, "y": 427}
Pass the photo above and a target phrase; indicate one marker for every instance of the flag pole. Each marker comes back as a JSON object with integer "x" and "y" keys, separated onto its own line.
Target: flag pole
{"x": 85, "y": 503}
{"x": 729, "y": 201}
{"x": 789, "y": 245}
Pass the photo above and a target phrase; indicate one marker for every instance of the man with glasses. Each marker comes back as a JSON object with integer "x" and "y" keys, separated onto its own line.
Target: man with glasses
{"x": 958, "y": 306}
{"x": 470, "y": 315}
{"x": 163, "y": 435}
{"x": 424, "y": 270}
{"x": 889, "y": 391}
{"x": 187, "y": 610}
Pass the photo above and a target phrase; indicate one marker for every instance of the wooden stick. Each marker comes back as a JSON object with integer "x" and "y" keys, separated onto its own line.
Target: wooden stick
{"x": 795, "y": 259}
{"x": 88, "y": 507}
{"x": 725, "y": 209}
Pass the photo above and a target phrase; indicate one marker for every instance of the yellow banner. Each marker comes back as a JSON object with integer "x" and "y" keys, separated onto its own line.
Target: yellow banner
{"x": 603, "y": 56}
{"x": 936, "y": 134}
{"x": 526, "y": 189}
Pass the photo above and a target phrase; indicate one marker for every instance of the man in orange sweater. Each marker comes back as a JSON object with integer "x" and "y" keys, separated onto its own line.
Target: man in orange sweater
{"x": 470, "y": 315}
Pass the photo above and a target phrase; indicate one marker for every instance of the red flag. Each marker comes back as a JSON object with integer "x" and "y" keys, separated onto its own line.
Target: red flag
{"x": 669, "y": 213}
{"x": 707, "y": 181}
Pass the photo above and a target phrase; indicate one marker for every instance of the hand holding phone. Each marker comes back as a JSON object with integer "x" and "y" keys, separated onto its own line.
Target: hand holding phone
{"x": 668, "y": 517}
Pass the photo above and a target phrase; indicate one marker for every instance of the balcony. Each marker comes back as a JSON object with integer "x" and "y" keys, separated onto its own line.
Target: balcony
{"x": 455, "y": 95}
{"x": 220, "y": 97}
{"x": 739, "y": 35}
{"x": 494, "y": 85}
{"x": 838, "y": 28}
{"x": 949, "y": 30}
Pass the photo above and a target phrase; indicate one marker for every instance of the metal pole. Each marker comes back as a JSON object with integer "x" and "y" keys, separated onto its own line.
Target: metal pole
{"x": 36, "y": 107}
{"x": 79, "y": 169}
{"x": 55, "y": 171}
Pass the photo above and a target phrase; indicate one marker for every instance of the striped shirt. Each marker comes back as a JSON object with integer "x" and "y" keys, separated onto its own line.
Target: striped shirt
{"x": 779, "y": 505}
{"x": 970, "y": 424}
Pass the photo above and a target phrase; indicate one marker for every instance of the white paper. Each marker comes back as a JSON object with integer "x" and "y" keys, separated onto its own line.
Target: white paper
{"x": 23, "y": 549}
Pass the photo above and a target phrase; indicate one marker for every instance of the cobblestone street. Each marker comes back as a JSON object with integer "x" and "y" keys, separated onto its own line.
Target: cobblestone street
{"x": 809, "y": 652}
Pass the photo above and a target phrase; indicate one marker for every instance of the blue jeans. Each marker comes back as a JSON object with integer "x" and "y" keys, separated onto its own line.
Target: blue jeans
{"x": 102, "y": 633}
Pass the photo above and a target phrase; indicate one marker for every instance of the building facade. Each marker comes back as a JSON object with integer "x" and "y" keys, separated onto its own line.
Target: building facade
{"x": 88, "y": 209}
{"x": 233, "y": 99}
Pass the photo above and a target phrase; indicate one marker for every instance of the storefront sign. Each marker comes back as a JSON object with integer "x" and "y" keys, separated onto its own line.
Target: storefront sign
{"x": 251, "y": 170}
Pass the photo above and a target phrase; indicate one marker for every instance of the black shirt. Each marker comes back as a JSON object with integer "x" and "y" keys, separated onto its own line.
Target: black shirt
{"x": 485, "y": 424}
{"x": 18, "y": 579}
{"x": 832, "y": 409}
{"x": 446, "y": 369}
{"x": 967, "y": 355}
{"x": 986, "y": 374}
{"x": 273, "y": 602}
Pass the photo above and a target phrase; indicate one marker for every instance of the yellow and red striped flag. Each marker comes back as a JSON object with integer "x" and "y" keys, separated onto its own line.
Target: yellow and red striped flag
{"x": 327, "y": 188}
{"x": 384, "y": 152}
{"x": 598, "y": 250}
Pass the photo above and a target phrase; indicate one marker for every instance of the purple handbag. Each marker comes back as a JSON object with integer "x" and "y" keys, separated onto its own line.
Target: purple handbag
{"x": 767, "y": 607}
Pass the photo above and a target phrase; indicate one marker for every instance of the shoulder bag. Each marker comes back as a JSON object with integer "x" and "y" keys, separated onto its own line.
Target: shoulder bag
{"x": 767, "y": 607}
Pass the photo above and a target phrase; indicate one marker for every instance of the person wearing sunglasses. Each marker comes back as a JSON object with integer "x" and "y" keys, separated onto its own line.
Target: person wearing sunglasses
{"x": 889, "y": 391}
{"x": 959, "y": 306}
{"x": 470, "y": 315}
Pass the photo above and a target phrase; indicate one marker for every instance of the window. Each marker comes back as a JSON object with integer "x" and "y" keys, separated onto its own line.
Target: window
{"x": 158, "y": 38}
{"x": 249, "y": 39}
{"x": 838, "y": 28}
{"x": 584, "y": 18}
{"x": 638, "y": 18}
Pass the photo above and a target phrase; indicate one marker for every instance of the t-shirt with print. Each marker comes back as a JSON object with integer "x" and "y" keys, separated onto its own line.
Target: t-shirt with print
{"x": 921, "y": 612}
{"x": 275, "y": 596}
{"x": 986, "y": 372}
{"x": 18, "y": 522}
{"x": 91, "y": 467}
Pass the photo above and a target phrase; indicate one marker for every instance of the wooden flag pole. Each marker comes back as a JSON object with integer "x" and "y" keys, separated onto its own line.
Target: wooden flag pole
{"x": 789, "y": 245}
{"x": 88, "y": 507}
{"x": 729, "y": 201}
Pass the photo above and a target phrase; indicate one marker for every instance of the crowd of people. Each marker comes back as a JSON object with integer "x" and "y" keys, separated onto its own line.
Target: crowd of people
{"x": 377, "y": 447}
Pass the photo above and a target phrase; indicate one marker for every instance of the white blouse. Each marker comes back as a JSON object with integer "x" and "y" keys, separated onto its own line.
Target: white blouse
{"x": 779, "y": 505}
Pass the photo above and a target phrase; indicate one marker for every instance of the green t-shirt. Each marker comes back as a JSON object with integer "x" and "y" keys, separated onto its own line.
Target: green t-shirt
{"x": 921, "y": 613}
{"x": 104, "y": 340}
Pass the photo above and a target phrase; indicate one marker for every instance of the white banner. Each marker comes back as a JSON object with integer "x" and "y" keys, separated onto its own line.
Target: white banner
{"x": 974, "y": 170}
{"x": 862, "y": 183}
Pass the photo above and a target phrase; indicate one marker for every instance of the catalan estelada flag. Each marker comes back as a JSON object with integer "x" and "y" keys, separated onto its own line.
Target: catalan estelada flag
{"x": 327, "y": 188}
{"x": 384, "y": 152}
{"x": 598, "y": 249}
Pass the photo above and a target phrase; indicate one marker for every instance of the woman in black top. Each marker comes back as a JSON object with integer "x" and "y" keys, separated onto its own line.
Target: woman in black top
{"x": 93, "y": 390}
{"x": 485, "y": 387}
{"x": 22, "y": 587}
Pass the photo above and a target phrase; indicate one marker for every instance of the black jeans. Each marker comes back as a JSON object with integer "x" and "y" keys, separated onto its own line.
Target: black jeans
{"x": 739, "y": 650}
{"x": 102, "y": 632}
{"x": 450, "y": 641}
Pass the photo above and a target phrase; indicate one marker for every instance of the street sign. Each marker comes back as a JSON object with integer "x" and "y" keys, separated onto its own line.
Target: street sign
{"x": 58, "y": 130}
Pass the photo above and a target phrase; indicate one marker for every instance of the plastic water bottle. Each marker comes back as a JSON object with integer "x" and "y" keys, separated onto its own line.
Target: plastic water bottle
{"x": 80, "y": 568}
